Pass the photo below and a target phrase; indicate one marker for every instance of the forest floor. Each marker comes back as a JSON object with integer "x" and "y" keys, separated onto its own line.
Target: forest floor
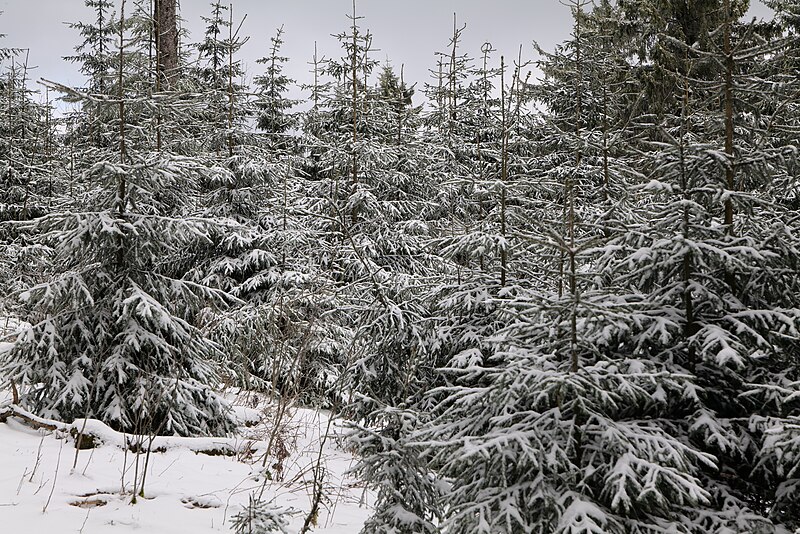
{"x": 193, "y": 485}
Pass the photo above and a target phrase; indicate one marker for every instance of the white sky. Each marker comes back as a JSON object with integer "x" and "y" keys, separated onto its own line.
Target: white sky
{"x": 407, "y": 32}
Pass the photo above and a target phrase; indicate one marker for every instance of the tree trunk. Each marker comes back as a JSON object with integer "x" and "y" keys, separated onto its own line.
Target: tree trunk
{"x": 167, "y": 41}
{"x": 730, "y": 276}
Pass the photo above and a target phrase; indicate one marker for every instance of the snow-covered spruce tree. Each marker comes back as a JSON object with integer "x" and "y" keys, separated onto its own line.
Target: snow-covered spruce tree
{"x": 367, "y": 204}
{"x": 597, "y": 82}
{"x": 95, "y": 55}
{"x": 287, "y": 340}
{"x": 275, "y": 342}
{"x": 476, "y": 182}
{"x": 221, "y": 125}
{"x": 278, "y": 342}
{"x": 492, "y": 203}
{"x": 226, "y": 138}
{"x": 218, "y": 74}
{"x": 27, "y": 144}
{"x": 260, "y": 517}
{"x": 485, "y": 190}
{"x": 567, "y": 426}
{"x": 760, "y": 135}
{"x": 273, "y": 106}
{"x": 585, "y": 140}
{"x": 29, "y": 172}
{"x": 314, "y": 121}
{"x": 408, "y": 494}
{"x": 371, "y": 199}
{"x": 111, "y": 334}
{"x": 457, "y": 127}
{"x": 456, "y": 304}
{"x": 284, "y": 339}
{"x": 464, "y": 141}
{"x": 651, "y": 32}
{"x": 258, "y": 165}
{"x": 715, "y": 261}
{"x": 235, "y": 257}
{"x": 785, "y": 113}
{"x": 378, "y": 210}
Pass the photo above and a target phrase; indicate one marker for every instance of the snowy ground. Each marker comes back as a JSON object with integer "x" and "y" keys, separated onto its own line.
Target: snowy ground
{"x": 186, "y": 491}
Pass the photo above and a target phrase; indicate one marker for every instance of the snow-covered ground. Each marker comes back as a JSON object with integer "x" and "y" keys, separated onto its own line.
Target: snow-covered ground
{"x": 186, "y": 491}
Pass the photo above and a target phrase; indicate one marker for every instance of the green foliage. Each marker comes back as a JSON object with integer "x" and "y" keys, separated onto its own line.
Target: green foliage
{"x": 260, "y": 517}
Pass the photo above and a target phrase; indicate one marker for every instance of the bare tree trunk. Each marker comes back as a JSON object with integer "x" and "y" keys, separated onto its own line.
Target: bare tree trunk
{"x": 730, "y": 276}
{"x": 689, "y": 328}
{"x": 573, "y": 285}
{"x": 121, "y": 180}
{"x": 354, "y": 72}
{"x": 729, "y": 66}
{"x": 231, "y": 96}
{"x": 166, "y": 25}
{"x": 503, "y": 173}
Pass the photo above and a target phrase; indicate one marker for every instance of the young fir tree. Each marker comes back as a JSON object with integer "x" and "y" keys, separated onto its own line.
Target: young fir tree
{"x": 369, "y": 205}
{"x": 568, "y": 426}
{"x": 714, "y": 259}
{"x": 28, "y": 143}
{"x": 464, "y": 139}
{"x": 453, "y": 318}
{"x": 270, "y": 266}
{"x": 476, "y": 136}
{"x": 95, "y": 55}
{"x": 29, "y": 177}
{"x": 452, "y": 127}
{"x": 218, "y": 75}
{"x": 390, "y": 374}
{"x": 480, "y": 184}
{"x": 274, "y": 117}
{"x": 359, "y": 199}
{"x": 111, "y": 334}
{"x": 260, "y": 517}
{"x": 379, "y": 208}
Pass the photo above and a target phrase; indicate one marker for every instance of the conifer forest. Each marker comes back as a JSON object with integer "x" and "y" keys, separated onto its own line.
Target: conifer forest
{"x": 551, "y": 292}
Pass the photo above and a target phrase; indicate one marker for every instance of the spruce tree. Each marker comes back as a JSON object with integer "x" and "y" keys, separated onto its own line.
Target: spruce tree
{"x": 218, "y": 74}
{"x": 273, "y": 106}
{"x": 29, "y": 171}
{"x": 714, "y": 260}
{"x": 111, "y": 335}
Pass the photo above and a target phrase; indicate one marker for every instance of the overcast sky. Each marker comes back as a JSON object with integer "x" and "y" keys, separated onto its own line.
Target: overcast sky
{"x": 407, "y": 32}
